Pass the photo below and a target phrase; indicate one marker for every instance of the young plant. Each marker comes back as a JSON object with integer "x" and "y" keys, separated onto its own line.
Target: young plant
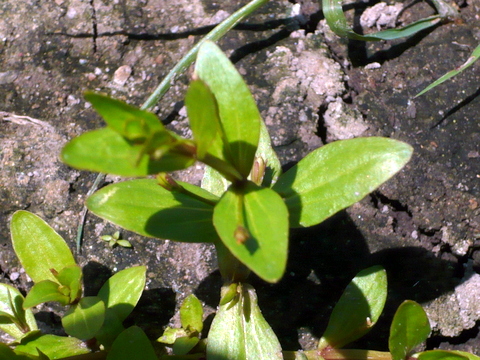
{"x": 49, "y": 262}
{"x": 246, "y": 205}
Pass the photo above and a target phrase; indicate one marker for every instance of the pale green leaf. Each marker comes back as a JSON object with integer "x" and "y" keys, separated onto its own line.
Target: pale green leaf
{"x": 38, "y": 247}
{"x": 409, "y": 328}
{"x": 338, "y": 175}
{"x": 132, "y": 344}
{"x": 121, "y": 292}
{"x": 191, "y": 314}
{"x": 252, "y": 222}
{"x": 45, "y": 291}
{"x": 84, "y": 319}
{"x": 239, "y": 331}
{"x": 146, "y": 208}
{"x": 239, "y": 116}
{"x": 11, "y": 304}
{"x": 357, "y": 310}
{"x": 446, "y": 355}
{"x": 71, "y": 277}
{"x": 184, "y": 344}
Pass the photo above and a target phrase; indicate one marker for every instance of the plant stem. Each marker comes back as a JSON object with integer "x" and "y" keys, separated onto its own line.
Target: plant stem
{"x": 214, "y": 35}
{"x": 337, "y": 354}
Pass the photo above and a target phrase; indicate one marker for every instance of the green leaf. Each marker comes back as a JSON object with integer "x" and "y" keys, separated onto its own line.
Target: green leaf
{"x": 409, "y": 328}
{"x": 473, "y": 57}
{"x": 83, "y": 320}
{"x": 38, "y": 247}
{"x": 240, "y": 332}
{"x": 184, "y": 344}
{"x": 252, "y": 222}
{"x": 55, "y": 347}
{"x": 121, "y": 292}
{"x": 111, "y": 328}
{"x": 146, "y": 208}
{"x": 266, "y": 152}
{"x": 170, "y": 335}
{"x": 191, "y": 314}
{"x": 45, "y": 291}
{"x": 203, "y": 115}
{"x": 132, "y": 344}
{"x": 6, "y": 353}
{"x": 338, "y": 175}
{"x": 71, "y": 277}
{"x": 107, "y": 151}
{"x": 14, "y": 320}
{"x": 239, "y": 115}
{"x": 128, "y": 121}
{"x": 336, "y": 20}
{"x": 446, "y": 355}
{"x": 357, "y": 310}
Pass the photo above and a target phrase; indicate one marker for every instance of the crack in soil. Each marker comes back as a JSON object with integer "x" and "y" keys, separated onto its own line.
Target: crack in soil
{"x": 94, "y": 26}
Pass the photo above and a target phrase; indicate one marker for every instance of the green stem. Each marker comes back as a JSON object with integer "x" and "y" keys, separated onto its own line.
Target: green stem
{"x": 214, "y": 35}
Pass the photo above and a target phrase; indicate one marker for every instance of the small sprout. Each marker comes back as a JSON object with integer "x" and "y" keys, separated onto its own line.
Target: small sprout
{"x": 241, "y": 234}
{"x": 168, "y": 182}
{"x": 258, "y": 170}
{"x": 115, "y": 240}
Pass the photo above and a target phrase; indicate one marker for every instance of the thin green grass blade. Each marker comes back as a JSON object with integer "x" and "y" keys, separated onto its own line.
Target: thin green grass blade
{"x": 332, "y": 10}
{"x": 473, "y": 57}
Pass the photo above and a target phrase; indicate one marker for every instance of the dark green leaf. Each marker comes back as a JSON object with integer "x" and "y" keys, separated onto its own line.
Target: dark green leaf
{"x": 83, "y": 320}
{"x": 239, "y": 116}
{"x": 107, "y": 151}
{"x": 38, "y": 247}
{"x": 45, "y": 291}
{"x": 55, "y": 347}
{"x": 121, "y": 292}
{"x": 132, "y": 344}
{"x": 15, "y": 321}
{"x": 203, "y": 115}
{"x": 127, "y": 120}
{"x": 145, "y": 207}
{"x": 409, "y": 328}
{"x": 240, "y": 332}
{"x": 253, "y": 224}
{"x": 336, "y": 20}
{"x": 191, "y": 314}
{"x": 184, "y": 344}
{"x": 338, "y": 175}
{"x": 358, "y": 309}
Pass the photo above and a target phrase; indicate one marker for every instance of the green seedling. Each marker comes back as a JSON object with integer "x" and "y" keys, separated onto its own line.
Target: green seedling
{"x": 115, "y": 240}
{"x": 50, "y": 264}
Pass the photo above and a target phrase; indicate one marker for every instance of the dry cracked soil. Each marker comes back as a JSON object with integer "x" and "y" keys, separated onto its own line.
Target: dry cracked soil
{"x": 312, "y": 88}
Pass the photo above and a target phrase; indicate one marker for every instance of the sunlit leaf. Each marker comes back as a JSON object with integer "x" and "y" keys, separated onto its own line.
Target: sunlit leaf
{"x": 132, "y": 344}
{"x": 184, "y": 344}
{"x": 71, "y": 277}
{"x": 84, "y": 319}
{"x": 127, "y": 120}
{"x": 121, "y": 292}
{"x": 146, "y": 208}
{"x": 191, "y": 314}
{"x": 203, "y": 115}
{"x": 338, "y": 175}
{"x": 473, "y": 57}
{"x": 14, "y": 320}
{"x": 409, "y": 328}
{"x": 446, "y": 355}
{"x": 38, "y": 247}
{"x": 240, "y": 332}
{"x": 239, "y": 116}
{"x": 253, "y": 224}
{"x": 336, "y": 20}
{"x": 55, "y": 347}
{"x": 45, "y": 291}
{"x": 107, "y": 151}
{"x": 357, "y": 310}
